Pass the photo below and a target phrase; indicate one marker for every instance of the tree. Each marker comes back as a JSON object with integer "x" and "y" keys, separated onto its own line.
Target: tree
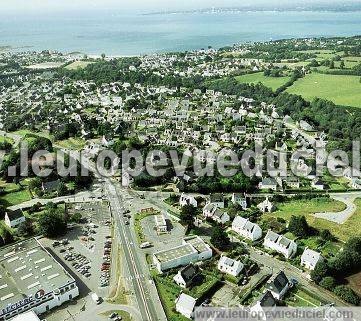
{"x": 328, "y": 282}
{"x": 26, "y": 228}
{"x": 187, "y": 215}
{"x": 220, "y": 238}
{"x": 342, "y": 65}
{"x": 326, "y": 235}
{"x": 347, "y": 294}
{"x": 298, "y": 226}
{"x": 62, "y": 189}
{"x": 76, "y": 218}
{"x": 52, "y": 223}
{"x": 321, "y": 271}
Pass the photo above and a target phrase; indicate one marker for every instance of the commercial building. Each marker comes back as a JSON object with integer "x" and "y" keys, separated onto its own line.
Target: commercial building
{"x": 193, "y": 249}
{"x": 31, "y": 279}
{"x": 26, "y": 316}
{"x": 161, "y": 223}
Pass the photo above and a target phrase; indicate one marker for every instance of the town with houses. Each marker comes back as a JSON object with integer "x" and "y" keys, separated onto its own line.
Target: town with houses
{"x": 159, "y": 248}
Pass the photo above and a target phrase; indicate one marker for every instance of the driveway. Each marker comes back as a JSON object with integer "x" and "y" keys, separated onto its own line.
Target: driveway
{"x": 341, "y": 217}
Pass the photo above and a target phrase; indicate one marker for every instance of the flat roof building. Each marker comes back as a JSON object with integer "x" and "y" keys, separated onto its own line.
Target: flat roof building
{"x": 31, "y": 279}
{"x": 161, "y": 223}
{"x": 193, "y": 249}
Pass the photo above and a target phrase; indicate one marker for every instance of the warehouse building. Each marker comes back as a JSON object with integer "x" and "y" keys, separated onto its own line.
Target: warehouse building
{"x": 193, "y": 249}
{"x": 31, "y": 279}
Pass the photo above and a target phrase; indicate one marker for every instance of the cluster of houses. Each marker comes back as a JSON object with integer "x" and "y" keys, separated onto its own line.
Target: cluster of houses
{"x": 215, "y": 210}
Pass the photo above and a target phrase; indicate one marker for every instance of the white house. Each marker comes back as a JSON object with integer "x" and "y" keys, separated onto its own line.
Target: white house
{"x": 220, "y": 216}
{"x": 310, "y": 258}
{"x": 246, "y": 229}
{"x": 217, "y": 199}
{"x": 239, "y": 199}
{"x": 278, "y": 285}
{"x": 209, "y": 209}
{"x": 186, "y": 275}
{"x": 229, "y": 266}
{"x": 280, "y": 244}
{"x": 266, "y": 206}
{"x": 187, "y": 200}
{"x": 14, "y": 218}
{"x": 268, "y": 183}
{"x": 185, "y": 305}
{"x": 265, "y": 302}
{"x": 317, "y": 184}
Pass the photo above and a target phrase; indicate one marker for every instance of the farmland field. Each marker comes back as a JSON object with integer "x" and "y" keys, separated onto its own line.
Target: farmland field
{"x": 78, "y": 65}
{"x": 272, "y": 82}
{"x": 342, "y": 90}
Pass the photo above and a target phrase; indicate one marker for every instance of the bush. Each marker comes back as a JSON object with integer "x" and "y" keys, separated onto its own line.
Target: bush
{"x": 347, "y": 294}
{"x": 328, "y": 283}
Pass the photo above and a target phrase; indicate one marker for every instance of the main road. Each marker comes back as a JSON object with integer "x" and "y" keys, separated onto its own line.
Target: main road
{"x": 148, "y": 302}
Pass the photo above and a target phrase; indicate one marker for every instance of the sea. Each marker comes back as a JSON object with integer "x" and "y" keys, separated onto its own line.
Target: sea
{"x": 116, "y": 33}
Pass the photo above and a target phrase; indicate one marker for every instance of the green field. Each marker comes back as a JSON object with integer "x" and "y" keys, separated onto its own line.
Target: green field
{"x": 342, "y": 90}
{"x": 78, "y": 65}
{"x": 352, "y": 227}
{"x": 271, "y": 82}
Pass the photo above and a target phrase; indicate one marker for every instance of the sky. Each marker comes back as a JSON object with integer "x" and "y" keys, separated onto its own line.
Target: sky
{"x": 144, "y": 5}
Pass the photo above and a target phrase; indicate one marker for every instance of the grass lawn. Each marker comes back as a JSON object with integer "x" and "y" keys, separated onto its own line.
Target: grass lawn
{"x": 78, "y": 65}
{"x": 299, "y": 297}
{"x": 71, "y": 143}
{"x": 6, "y": 140}
{"x": 272, "y": 82}
{"x": 168, "y": 293}
{"x": 15, "y": 198}
{"x": 24, "y": 132}
{"x": 352, "y": 227}
{"x": 342, "y": 90}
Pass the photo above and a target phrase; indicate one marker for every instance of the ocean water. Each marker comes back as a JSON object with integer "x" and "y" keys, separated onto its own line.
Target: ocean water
{"x": 116, "y": 33}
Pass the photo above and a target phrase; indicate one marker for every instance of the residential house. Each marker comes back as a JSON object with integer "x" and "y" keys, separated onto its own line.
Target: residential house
{"x": 217, "y": 199}
{"x": 280, "y": 244}
{"x": 266, "y": 206}
{"x": 186, "y": 275}
{"x": 356, "y": 183}
{"x": 220, "y": 216}
{"x": 230, "y": 266}
{"x": 185, "y": 305}
{"x": 14, "y": 218}
{"x": 317, "y": 184}
{"x": 239, "y": 199}
{"x": 278, "y": 285}
{"x": 310, "y": 258}
{"x": 264, "y": 303}
{"x": 187, "y": 200}
{"x": 268, "y": 183}
{"x": 50, "y": 186}
{"x": 246, "y": 229}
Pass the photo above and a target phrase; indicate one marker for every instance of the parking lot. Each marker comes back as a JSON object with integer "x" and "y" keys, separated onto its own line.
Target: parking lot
{"x": 85, "y": 250}
{"x": 162, "y": 241}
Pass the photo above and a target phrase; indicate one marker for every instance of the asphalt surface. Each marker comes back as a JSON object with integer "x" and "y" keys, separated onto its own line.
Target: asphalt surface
{"x": 149, "y": 305}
